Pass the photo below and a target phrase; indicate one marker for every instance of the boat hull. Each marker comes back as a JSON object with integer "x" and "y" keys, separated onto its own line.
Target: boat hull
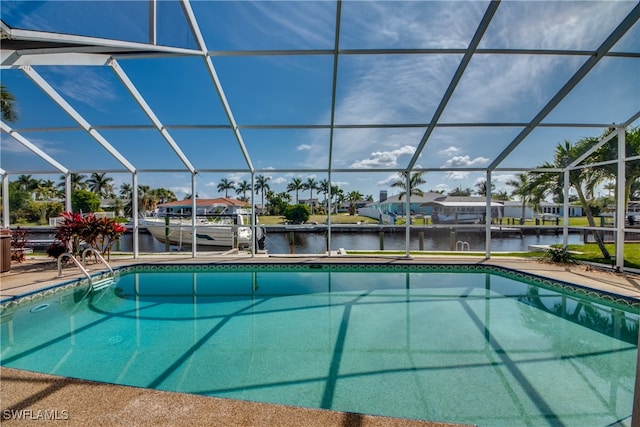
{"x": 209, "y": 235}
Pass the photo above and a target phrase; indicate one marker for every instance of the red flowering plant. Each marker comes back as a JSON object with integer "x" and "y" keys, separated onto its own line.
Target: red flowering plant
{"x": 18, "y": 243}
{"x": 107, "y": 233}
{"x": 77, "y": 231}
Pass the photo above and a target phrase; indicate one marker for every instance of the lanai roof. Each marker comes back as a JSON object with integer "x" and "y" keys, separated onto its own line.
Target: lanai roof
{"x": 348, "y": 91}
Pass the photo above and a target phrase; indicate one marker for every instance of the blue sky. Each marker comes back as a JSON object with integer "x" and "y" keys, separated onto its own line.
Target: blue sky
{"x": 382, "y": 89}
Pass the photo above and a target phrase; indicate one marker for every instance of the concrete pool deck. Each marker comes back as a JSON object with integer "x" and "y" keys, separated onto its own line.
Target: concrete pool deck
{"x": 65, "y": 401}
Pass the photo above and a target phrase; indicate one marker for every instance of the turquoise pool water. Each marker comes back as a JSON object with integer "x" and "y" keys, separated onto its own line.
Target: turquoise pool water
{"x": 465, "y": 344}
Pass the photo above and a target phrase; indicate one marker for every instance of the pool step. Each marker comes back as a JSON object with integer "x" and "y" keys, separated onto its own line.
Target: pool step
{"x": 105, "y": 282}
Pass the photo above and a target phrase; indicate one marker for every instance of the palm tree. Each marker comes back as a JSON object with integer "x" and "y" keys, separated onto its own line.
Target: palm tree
{"x": 77, "y": 182}
{"x": 226, "y": 185}
{"x": 579, "y": 179}
{"x": 146, "y": 198}
{"x": 337, "y": 194}
{"x": 295, "y": 185}
{"x": 162, "y": 195}
{"x": 100, "y": 184}
{"x": 260, "y": 187}
{"x": 7, "y": 105}
{"x": 481, "y": 188}
{"x": 311, "y": 185}
{"x": 522, "y": 188}
{"x": 610, "y": 187}
{"x": 460, "y": 192}
{"x": 324, "y": 187}
{"x": 46, "y": 189}
{"x": 243, "y": 187}
{"x": 415, "y": 181}
{"x": 632, "y": 169}
{"x": 501, "y": 196}
{"x": 126, "y": 193}
{"x": 27, "y": 183}
{"x": 353, "y": 197}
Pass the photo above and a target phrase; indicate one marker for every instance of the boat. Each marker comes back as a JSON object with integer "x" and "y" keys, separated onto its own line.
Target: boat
{"x": 462, "y": 210}
{"x": 223, "y": 223}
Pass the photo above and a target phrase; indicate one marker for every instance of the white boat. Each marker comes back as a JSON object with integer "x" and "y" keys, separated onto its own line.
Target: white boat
{"x": 462, "y": 210}
{"x": 219, "y": 223}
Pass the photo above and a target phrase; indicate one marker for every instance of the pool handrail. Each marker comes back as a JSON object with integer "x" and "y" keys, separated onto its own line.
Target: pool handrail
{"x": 75, "y": 261}
{"x": 95, "y": 251}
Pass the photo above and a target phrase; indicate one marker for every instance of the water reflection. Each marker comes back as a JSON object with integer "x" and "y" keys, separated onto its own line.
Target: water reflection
{"x": 316, "y": 243}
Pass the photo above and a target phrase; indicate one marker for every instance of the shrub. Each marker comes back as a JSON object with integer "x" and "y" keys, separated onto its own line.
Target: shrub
{"x": 56, "y": 249}
{"x": 559, "y": 255}
{"x": 76, "y": 230}
{"x": 297, "y": 214}
{"x": 18, "y": 243}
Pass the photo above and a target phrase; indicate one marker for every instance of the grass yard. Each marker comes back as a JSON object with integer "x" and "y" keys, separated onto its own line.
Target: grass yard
{"x": 590, "y": 252}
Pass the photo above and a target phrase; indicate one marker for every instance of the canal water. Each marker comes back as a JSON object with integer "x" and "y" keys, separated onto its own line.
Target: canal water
{"x": 315, "y": 243}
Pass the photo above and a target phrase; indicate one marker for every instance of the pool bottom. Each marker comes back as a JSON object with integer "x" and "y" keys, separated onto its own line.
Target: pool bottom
{"x": 406, "y": 350}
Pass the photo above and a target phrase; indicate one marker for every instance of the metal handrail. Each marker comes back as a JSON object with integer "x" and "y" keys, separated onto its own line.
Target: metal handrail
{"x": 463, "y": 245}
{"x": 90, "y": 249}
{"x": 75, "y": 261}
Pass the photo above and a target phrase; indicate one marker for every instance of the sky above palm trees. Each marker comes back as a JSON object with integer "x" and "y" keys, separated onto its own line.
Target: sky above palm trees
{"x": 382, "y": 106}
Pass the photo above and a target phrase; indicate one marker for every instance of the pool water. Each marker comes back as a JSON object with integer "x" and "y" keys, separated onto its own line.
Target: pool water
{"x": 485, "y": 347}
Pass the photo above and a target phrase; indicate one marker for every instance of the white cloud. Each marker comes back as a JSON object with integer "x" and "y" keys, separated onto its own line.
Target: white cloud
{"x": 449, "y": 151}
{"x": 307, "y": 22}
{"x": 465, "y": 161}
{"x": 457, "y": 175}
{"x": 388, "y": 181}
{"x": 86, "y": 85}
{"x": 279, "y": 180}
{"x": 304, "y": 147}
{"x": 384, "y": 159}
{"x": 10, "y": 145}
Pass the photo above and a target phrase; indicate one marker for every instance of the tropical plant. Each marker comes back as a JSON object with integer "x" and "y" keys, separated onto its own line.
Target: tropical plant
{"x": 260, "y": 187}
{"x": 84, "y": 201}
{"x": 278, "y": 202}
{"x": 8, "y": 105}
{"x": 338, "y": 196}
{"x": 76, "y": 230}
{"x": 77, "y": 182}
{"x": 481, "y": 188}
{"x": 559, "y": 255}
{"x": 325, "y": 188}
{"x": 46, "y": 190}
{"x": 162, "y": 195}
{"x": 415, "y": 181}
{"x": 458, "y": 191}
{"x": 18, "y": 243}
{"x": 311, "y": 184}
{"x": 353, "y": 197}
{"x": 226, "y": 185}
{"x": 126, "y": 194}
{"x": 579, "y": 179}
{"x": 295, "y": 185}
{"x": 27, "y": 183}
{"x": 632, "y": 168}
{"x": 297, "y": 214}
{"x": 147, "y": 200}
{"x": 522, "y": 188}
{"x": 243, "y": 187}
{"x": 100, "y": 184}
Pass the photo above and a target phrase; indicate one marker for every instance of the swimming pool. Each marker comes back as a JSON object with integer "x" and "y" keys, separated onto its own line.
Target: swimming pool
{"x": 470, "y": 344}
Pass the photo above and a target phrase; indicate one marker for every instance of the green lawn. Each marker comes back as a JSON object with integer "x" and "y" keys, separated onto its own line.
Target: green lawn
{"x": 590, "y": 252}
